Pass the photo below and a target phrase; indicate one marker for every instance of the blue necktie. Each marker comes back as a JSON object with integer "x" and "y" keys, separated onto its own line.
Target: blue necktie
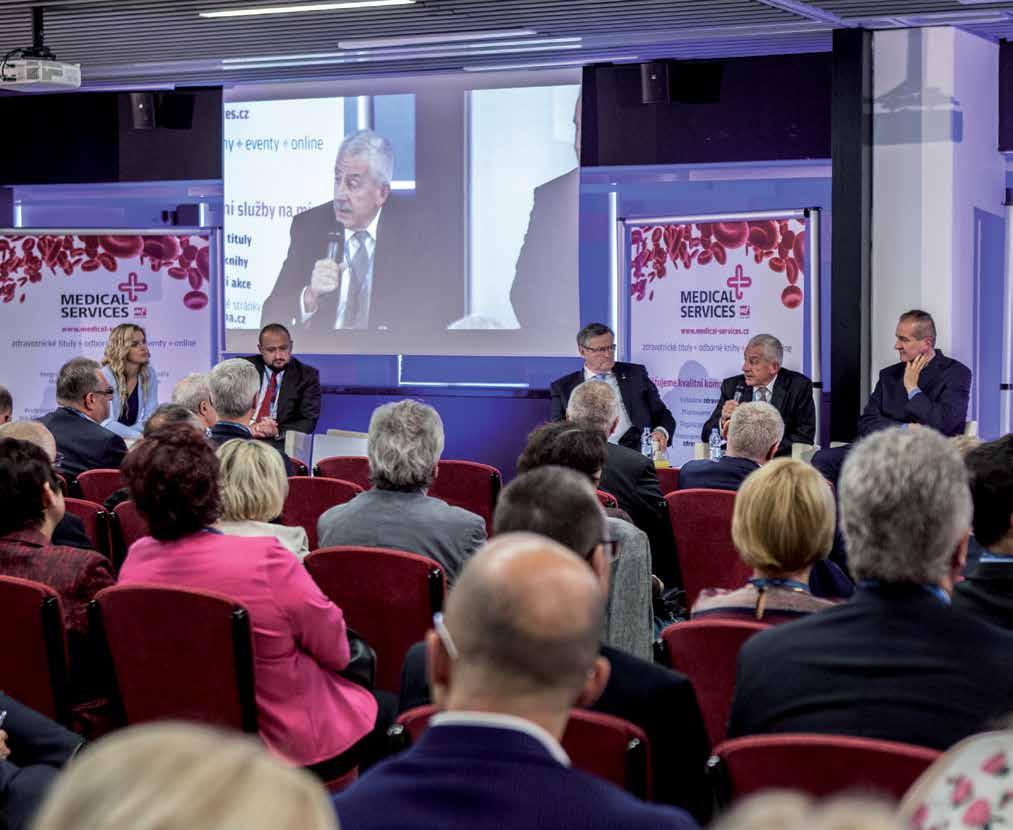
{"x": 600, "y": 377}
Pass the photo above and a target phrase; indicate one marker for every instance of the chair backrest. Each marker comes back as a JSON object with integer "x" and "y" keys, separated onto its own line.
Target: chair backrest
{"x": 470, "y": 485}
{"x": 299, "y": 468}
{"x": 387, "y": 596}
{"x": 95, "y": 520}
{"x": 816, "y": 764}
{"x": 178, "y": 654}
{"x": 668, "y": 479}
{"x": 606, "y": 499}
{"x": 702, "y": 528}
{"x": 706, "y": 650}
{"x": 601, "y": 745}
{"x": 34, "y": 667}
{"x": 308, "y": 498}
{"x": 127, "y": 526}
{"x": 98, "y": 485}
{"x": 353, "y": 468}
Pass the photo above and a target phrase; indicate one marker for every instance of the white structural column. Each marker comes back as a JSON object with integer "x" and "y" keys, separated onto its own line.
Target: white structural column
{"x": 935, "y": 167}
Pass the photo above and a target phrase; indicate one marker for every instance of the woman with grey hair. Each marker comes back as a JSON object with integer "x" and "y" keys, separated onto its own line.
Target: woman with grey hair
{"x": 404, "y": 447}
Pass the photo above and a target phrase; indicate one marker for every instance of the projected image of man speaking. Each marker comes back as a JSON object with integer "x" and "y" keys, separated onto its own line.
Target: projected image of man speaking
{"x": 344, "y": 258}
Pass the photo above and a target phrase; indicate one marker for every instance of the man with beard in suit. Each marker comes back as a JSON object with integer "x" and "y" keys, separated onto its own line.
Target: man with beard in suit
{"x": 354, "y": 263}
{"x": 289, "y": 396}
{"x": 641, "y": 405}
{"x": 765, "y": 379}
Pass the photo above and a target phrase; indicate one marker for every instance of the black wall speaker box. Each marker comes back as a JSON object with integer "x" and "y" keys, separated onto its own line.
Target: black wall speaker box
{"x": 654, "y": 83}
{"x": 142, "y": 110}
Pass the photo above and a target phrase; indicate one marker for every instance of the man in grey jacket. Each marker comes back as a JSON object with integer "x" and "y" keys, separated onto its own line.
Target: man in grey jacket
{"x": 405, "y": 444}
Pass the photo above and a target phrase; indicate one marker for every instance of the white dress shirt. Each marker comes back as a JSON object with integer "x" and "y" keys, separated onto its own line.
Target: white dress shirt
{"x": 769, "y": 387}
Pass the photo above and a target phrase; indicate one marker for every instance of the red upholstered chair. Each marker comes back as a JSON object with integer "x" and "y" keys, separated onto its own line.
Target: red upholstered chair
{"x": 95, "y": 519}
{"x": 816, "y": 764}
{"x": 668, "y": 478}
{"x": 706, "y": 651}
{"x": 702, "y": 528}
{"x": 179, "y": 654}
{"x": 127, "y": 526}
{"x": 601, "y": 745}
{"x": 606, "y": 499}
{"x": 353, "y": 468}
{"x": 308, "y": 498}
{"x": 299, "y": 468}
{"x": 33, "y": 668}
{"x": 98, "y": 485}
{"x": 387, "y": 596}
{"x": 470, "y": 485}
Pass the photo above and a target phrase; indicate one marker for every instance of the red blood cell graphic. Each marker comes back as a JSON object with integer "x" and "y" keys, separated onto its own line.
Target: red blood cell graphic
{"x": 636, "y": 237}
{"x": 108, "y": 261}
{"x": 122, "y": 247}
{"x": 792, "y": 296}
{"x": 704, "y": 257}
{"x": 798, "y": 248}
{"x": 203, "y": 264}
{"x": 776, "y": 264}
{"x": 195, "y": 277}
{"x": 718, "y": 250}
{"x": 195, "y": 300}
{"x": 791, "y": 270}
{"x": 656, "y": 236}
{"x": 90, "y": 265}
{"x": 731, "y": 234}
{"x": 177, "y": 273}
{"x": 763, "y": 235}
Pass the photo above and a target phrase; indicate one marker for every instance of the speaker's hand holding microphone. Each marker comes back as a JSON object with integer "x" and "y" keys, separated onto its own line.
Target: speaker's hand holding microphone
{"x": 729, "y": 408}
{"x": 326, "y": 275}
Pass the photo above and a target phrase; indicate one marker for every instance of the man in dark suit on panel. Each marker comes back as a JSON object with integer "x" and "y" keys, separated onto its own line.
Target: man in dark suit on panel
{"x": 987, "y": 592}
{"x": 81, "y": 440}
{"x": 289, "y": 396}
{"x": 764, "y": 379}
{"x": 754, "y": 434}
{"x": 925, "y": 388}
{"x": 559, "y": 504}
{"x": 359, "y": 262}
{"x": 895, "y": 662}
{"x": 641, "y": 404}
{"x": 506, "y": 666}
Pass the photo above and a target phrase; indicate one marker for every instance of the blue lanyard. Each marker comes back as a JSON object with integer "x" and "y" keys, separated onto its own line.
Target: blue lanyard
{"x": 994, "y": 559}
{"x": 763, "y": 583}
{"x": 935, "y": 590}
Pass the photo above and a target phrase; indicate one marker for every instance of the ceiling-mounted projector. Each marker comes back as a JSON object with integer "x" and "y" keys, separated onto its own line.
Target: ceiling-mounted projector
{"x": 35, "y": 68}
{"x": 33, "y": 75}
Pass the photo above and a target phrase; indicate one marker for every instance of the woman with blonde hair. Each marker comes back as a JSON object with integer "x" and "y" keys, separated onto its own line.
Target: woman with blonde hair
{"x": 176, "y": 776}
{"x": 254, "y": 487}
{"x": 126, "y": 365}
{"x": 783, "y": 523}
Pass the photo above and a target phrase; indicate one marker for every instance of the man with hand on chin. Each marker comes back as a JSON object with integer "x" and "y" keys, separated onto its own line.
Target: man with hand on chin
{"x": 925, "y": 389}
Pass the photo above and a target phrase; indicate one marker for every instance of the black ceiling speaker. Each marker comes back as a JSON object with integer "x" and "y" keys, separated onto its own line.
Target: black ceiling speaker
{"x": 654, "y": 86}
{"x": 142, "y": 110}
{"x": 689, "y": 82}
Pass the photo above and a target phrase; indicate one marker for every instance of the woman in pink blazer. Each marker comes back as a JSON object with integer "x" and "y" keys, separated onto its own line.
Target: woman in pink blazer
{"x": 307, "y": 713}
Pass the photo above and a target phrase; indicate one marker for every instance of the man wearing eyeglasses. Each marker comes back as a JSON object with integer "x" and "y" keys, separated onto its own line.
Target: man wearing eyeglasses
{"x": 640, "y": 404}
{"x": 354, "y": 262}
{"x": 83, "y": 395}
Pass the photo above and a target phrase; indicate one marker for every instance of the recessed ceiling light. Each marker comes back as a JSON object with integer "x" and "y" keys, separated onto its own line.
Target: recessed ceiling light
{"x": 544, "y": 65}
{"x": 253, "y": 11}
{"x": 417, "y": 40}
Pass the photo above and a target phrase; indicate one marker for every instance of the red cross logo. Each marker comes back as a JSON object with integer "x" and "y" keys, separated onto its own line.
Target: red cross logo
{"x": 738, "y": 282}
{"x": 133, "y": 286}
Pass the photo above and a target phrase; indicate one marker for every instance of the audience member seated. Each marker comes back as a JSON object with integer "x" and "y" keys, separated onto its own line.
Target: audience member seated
{"x": 627, "y": 474}
{"x": 254, "y": 487}
{"x": 783, "y": 523}
{"x": 896, "y": 662}
{"x": 785, "y": 810}
{"x": 234, "y": 388}
{"x": 967, "y": 786}
{"x": 171, "y": 413}
{"x": 517, "y": 648}
{"x": 126, "y": 367}
{"x": 33, "y": 505}
{"x": 405, "y": 444}
{"x": 176, "y": 776}
{"x": 83, "y": 443}
{"x": 69, "y": 531}
{"x": 754, "y": 434}
{"x": 194, "y": 392}
{"x": 6, "y": 405}
{"x": 32, "y": 751}
{"x": 308, "y": 713}
{"x": 987, "y": 592}
{"x": 629, "y": 609}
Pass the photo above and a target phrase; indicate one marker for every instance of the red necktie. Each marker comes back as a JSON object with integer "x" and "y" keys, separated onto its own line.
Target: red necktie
{"x": 265, "y": 406}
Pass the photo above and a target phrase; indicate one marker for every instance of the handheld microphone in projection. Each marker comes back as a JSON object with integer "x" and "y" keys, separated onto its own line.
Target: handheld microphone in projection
{"x": 335, "y": 246}
{"x": 739, "y": 392}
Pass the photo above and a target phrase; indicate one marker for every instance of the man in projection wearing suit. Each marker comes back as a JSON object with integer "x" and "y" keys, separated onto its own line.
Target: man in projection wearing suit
{"x": 355, "y": 263}
{"x": 764, "y": 379}
{"x": 641, "y": 405}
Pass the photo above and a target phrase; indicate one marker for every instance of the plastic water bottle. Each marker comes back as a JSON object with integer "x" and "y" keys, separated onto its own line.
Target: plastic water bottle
{"x": 647, "y": 443}
{"x": 715, "y": 444}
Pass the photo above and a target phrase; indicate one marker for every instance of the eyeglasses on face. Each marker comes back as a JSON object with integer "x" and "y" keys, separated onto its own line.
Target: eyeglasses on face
{"x": 599, "y": 349}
